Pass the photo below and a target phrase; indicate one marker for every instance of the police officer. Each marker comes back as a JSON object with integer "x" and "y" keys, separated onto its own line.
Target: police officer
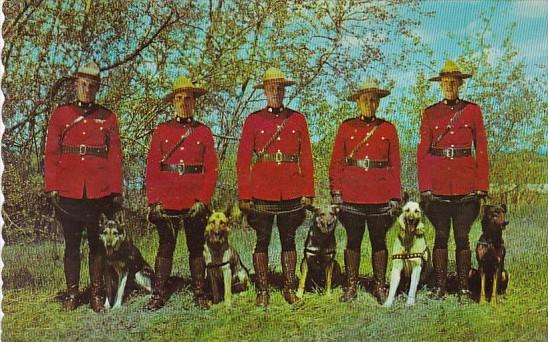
{"x": 364, "y": 177}
{"x": 83, "y": 177}
{"x": 451, "y": 177}
{"x": 181, "y": 173}
{"x": 275, "y": 179}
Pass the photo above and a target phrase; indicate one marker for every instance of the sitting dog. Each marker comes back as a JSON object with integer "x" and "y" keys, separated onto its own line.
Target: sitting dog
{"x": 124, "y": 264}
{"x": 224, "y": 267}
{"x": 319, "y": 266}
{"x": 409, "y": 252}
{"x": 490, "y": 253}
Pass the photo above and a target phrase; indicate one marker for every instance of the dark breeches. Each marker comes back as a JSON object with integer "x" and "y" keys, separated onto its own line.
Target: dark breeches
{"x": 168, "y": 231}
{"x": 354, "y": 225}
{"x": 462, "y": 215}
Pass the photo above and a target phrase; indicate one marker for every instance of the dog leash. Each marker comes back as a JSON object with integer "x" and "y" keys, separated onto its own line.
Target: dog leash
{"x": 463, "y": 199}
{"x": 379, "y": 212}
{"x": 263, "y": 209}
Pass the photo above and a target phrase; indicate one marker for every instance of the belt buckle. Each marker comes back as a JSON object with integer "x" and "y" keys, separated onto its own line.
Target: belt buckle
{"x": 278, "y": 157}
{"x": 82, "y": 149}
{"x": 366, "y": 163}
{"x": 181, "y": 168}
{"x": 449, "y": 152}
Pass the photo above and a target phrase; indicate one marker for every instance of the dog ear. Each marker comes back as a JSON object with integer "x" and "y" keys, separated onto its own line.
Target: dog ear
{"x": 405, "y": 197}
{"x": 119, "y": 218}
{"x": 103, "y": 219}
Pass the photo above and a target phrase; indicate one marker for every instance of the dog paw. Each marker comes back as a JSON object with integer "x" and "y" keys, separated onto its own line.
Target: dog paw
{"x": 300, "y": 293}
{"x": 388, "y": 303}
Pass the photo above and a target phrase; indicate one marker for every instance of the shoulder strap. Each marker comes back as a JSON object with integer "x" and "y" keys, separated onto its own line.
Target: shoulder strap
{"x": 78, "y": 119}
{"x": 274, "y": 136}
{"x": 364, "y": 140}
{"x": 450, "y": 125}
{"x": 179, "y": 143}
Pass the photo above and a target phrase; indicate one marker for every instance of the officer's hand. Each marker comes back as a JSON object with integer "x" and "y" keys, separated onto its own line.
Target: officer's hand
{"x": 155, "y": 212}
{"x": 336, "y": 198}
{"x": 426, "y": 198}
{"x": 53, "y": 196}
{"x": 117, "y": 201}
{"x": 306, "y": 201}
{"x": 197, "y": 210}
{"x": 481, "y": 194}
{"x": 395, "y": 207}
{"x": 245, "y": 205}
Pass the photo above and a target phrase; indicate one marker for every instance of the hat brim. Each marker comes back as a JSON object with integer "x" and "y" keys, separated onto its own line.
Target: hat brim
{"x": 286, "y": 83}
{"x": 379, "y": 92}
{"x": 87, "y": 76}
{"x": 451, "y": 74}
{"x": 195, "y": 90}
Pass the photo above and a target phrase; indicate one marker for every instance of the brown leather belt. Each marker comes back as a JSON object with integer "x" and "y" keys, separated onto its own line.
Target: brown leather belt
{"x": 278, "y": 157}
{"x": 182, "y": 169}
{"x": 99, "y": 151}
{"x": 451, "y": 152}
{"x": 367, "y": 163}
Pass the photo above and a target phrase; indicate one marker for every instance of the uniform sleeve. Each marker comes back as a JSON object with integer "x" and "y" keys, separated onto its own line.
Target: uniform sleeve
{"x": 211, "y": 169}
{"x": 52, "y": 153}
{"x": 153, "y": 168}
{"x": 394, "y": 163}
{"x": 243, "y": 163}
{"x": 423, "y": 164}
{"x": 115, "y": 157}
{"x": 307, "y": 163}
{"x": 337, "y": 163}
{"x": 480, "y": 145}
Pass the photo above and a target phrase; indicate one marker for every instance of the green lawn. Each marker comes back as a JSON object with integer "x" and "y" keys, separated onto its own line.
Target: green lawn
{"x": 33, "y": 275}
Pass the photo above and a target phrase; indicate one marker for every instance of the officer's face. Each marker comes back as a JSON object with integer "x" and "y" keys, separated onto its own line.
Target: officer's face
{"x": 274, "y": 94}
{"x": 450, "y": 86}
{"x": 86, "y": 89}
{"x": 184, "y": 103}
{"x": 368, "y": 104}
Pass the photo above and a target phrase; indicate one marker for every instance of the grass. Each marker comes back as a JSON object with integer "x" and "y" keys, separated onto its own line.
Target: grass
{"x": 33, "y": 276}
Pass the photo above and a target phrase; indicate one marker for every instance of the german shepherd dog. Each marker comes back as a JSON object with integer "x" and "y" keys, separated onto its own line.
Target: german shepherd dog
{"x": 125, "y": 267}
{"x": 410, "y": 255}
{"x": 319, "y": 267}
{"x": 490, "y": 253}
{"x": 224, "y": 268}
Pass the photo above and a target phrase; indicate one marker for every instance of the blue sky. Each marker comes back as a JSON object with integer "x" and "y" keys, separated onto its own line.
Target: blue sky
{"x": 462, "y": 19}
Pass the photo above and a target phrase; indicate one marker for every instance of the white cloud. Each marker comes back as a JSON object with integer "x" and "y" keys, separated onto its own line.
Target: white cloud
{"x": 531, "y": 9}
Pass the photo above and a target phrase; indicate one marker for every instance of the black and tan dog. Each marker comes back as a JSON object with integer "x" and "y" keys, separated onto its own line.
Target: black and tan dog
{"x": 319, "y": 267}
{"x": 490, "y": 253}
{"x": 224, "y": 267}
{"x": 125, "y": 267}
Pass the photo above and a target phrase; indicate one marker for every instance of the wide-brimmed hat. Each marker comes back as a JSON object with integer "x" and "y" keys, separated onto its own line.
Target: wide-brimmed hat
{"x": 181, "y": 84}
{"x": 90, "y": 71}
{"x": 450, "y": 68}
{"x": 274, "y": 75}
{"x": 368, "y": 86}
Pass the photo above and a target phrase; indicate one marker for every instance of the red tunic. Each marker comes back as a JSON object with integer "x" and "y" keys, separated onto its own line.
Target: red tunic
{"x": 460, "y": 175}
{"x": 366, "y": 186}
{"x": 269, "y": 180}
{"x": 71, "y": 173}
{"x": 180, "y": 191}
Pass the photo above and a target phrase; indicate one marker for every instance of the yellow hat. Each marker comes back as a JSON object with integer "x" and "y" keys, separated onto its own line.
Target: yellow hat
{"x": 450, "y": 68}
{"x": 274, "y": 75}
{"x": 368, "y": 86}
{"x": 90, "y": 70}
{"x": 183, "y": 83}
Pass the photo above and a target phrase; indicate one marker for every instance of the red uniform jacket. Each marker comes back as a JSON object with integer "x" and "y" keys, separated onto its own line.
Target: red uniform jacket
{"x": 180, "y": 191}
{"x": 366, "y": 186}
{"x": 460, "y": 175}
{"x": 70, "y": 173}
{"x": 269, "y": 180}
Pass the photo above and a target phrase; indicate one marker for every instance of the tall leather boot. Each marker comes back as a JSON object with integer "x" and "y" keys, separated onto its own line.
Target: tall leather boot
{"x": 97, "y": 295}
{"x": 260, "y": 263}
{"x": 197, "y": 275}
{"x": 380, "y": 290}
{"x": 439, "y": 259}
{"x": 352, "y": 265}
{"x": 289, "y": 263}
{"x": 464, "y": 260}
{"x": 162, "y": 271}
{"x": 72, "y": 277}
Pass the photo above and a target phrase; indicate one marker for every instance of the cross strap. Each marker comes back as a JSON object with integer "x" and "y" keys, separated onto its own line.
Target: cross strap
{"x": 364, "y": 140}
{"x": 273, "y": 137}
{"x": 449, "y": 126}
{"x": 176, "y": 146}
